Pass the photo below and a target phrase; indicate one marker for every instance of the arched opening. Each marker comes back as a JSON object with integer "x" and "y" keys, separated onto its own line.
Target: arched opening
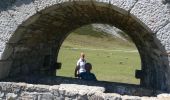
{"x": 33, "y": 47}
{"x": 113, "y": 55}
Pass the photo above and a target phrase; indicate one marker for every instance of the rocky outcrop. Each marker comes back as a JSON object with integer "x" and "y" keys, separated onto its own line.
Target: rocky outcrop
{"x": 115, "y": 32}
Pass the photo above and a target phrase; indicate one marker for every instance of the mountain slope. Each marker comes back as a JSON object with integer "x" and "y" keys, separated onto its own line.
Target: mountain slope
{"x": 110, "y": 30}
{"x": 87, "y": 36}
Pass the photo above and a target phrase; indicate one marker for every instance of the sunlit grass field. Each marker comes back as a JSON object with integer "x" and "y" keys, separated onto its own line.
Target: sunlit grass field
{"x": 112, "y": 59}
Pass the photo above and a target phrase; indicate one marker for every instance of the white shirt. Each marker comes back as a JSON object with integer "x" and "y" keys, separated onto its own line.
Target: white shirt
{"x": 81, "y": 64}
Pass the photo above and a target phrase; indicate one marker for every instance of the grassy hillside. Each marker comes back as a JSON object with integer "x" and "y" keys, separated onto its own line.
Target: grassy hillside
{"x": 112, "y": 59}
{"x": 87, "y": 37}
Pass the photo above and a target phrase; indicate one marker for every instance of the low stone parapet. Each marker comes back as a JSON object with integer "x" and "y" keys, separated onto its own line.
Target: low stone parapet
{"x": 60, "y": 88}
{"x": 24, "y": 91}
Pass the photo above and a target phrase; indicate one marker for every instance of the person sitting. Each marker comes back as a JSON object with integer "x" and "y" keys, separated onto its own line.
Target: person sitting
{"x": 87, "y": 75}
{"x": 80, "y": 66}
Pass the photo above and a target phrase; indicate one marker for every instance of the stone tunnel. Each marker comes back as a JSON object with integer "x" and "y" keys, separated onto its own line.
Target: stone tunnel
{"x": 32, "y": 32}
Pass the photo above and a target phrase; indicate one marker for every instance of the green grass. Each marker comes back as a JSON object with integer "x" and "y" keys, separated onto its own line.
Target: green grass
{"x": 115, "y": 66}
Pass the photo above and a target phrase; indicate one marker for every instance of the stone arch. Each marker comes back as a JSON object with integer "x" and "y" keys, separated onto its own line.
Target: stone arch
{"x": 35, "y": 42}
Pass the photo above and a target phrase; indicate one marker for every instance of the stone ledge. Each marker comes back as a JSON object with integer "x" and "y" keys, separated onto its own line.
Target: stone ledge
{"x": 110, "y": 87}
{"x": 12, "y": 90}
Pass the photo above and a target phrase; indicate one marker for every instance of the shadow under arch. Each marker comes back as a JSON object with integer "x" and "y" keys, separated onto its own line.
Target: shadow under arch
{"x": 34, "y": 47}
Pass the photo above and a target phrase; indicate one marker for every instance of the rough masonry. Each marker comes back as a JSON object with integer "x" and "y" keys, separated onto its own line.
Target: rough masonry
{"x": 60, "y": 88}
{"x": 32, "y": 31}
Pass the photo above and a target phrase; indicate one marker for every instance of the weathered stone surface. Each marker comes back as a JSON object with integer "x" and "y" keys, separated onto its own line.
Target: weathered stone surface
{"x": 55, "y": 90}
{"x": 2, "y": 94}
{"x": 163, "y": 96}
{"x": 124, "y": 4}
{"x": 46, "y": 96}
{"x": 4, "y": 70}
{"x": 38, "y": 28}
{"x": 153, "y": 13}
{"x": 7, "y": 27}
{"x": 38, "y": 88}
{"x": 11, "y": 96}
{"x": 164, "y": 35}
{"x": 112, "y": 96}
{"x": 81, "y": 89}
{"x": 98, "y": 94}
{"x": 42, "y": 4}
{"x": 22, "y": 10}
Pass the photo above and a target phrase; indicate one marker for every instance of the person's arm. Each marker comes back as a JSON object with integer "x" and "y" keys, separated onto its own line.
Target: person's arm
{"x": 76, "y": 71}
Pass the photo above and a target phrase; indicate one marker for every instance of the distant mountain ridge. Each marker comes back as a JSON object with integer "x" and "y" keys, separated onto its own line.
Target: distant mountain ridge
{"x": 98, "y": 36}
{"x": 100, "y": 30}
{"x": 110, "y": 30}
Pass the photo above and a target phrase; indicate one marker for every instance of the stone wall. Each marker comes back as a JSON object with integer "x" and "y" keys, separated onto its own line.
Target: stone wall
{"x": 110, "y": 87}
{"x": 33, "y": 30}
{"x": 25, "y": 91}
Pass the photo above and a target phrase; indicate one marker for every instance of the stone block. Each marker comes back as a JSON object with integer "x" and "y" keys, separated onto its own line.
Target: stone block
{"x": 5, "y": 68}
{"x": 11, "y": 96}
{"x": 139, "y": 74}
{"x": 46, "y": 96}
{"x": 2, "y": 94}
{"x": 126, "y": 97}
{"x": 37, "y": 88}
{"x": 54, "y": 90}
{"x": 58, "y": 98}
{"x": 163, "y": 96}
{"x": 28, "y": 96}
{"x": 111, "y": 96}
{"x": 83, "y": 89}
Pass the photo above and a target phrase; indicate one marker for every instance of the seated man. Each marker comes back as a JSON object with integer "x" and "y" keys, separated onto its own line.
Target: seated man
{"x": 87, "y": 75}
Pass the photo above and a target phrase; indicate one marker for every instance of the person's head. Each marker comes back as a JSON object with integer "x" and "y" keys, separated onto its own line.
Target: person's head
{"x": 88, "y": 67}
{"x": 82, "y": 55}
